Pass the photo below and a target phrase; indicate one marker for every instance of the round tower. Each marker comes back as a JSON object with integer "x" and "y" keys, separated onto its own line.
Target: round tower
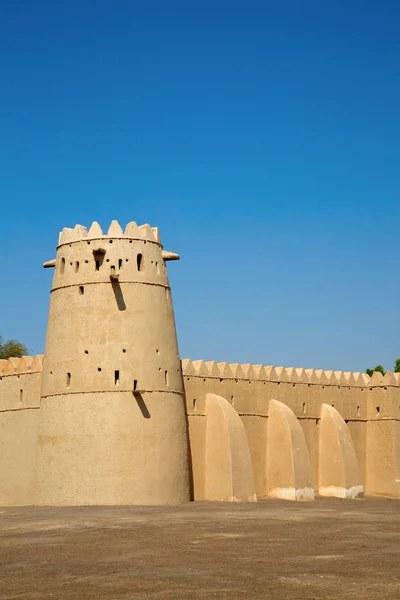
{"x": 113, "y": 426}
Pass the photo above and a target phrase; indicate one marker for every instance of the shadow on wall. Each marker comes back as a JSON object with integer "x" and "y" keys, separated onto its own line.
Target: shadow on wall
{"x": 118, "y": 294}
{"x": 142, "y": 405}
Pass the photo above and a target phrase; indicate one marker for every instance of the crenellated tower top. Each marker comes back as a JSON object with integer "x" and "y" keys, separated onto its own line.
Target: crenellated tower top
{"x": 91, "y": 256}
{"x": 132, "y": 231}
{"x": 141, "y": 233}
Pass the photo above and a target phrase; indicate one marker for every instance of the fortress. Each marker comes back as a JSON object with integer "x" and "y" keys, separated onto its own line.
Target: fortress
{"x": 111, "y": 415}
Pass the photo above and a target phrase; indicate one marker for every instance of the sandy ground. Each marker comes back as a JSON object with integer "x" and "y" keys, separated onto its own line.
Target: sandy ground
{"x": 329, "y": 548}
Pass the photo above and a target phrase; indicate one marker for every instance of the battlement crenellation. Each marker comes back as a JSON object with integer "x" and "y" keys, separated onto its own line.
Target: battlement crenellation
{"x": 132, "y": 231}
{"x": 25, "y": 364}
{"x": 223, "y": 370}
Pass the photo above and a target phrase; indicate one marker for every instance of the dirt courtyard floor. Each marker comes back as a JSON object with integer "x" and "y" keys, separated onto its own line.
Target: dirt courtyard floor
{"x": 329, "y": 548}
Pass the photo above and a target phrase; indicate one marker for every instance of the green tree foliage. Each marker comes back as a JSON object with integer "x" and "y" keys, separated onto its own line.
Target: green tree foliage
{"x": 396, "y": 368}
{"x": 377, "y": 368}
{"x": 12, "y": 348}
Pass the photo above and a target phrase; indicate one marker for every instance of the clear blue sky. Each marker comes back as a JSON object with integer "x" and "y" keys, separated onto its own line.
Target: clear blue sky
{"x": 263, "y": 138}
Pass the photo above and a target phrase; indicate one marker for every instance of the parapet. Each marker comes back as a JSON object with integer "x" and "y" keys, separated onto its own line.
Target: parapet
{"x": 132, "y": 231}
{"x": 223, "y": 370}
{"x": 17, "y": 366}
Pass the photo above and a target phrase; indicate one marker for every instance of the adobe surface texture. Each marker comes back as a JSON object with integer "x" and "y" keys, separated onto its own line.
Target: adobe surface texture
{"x": 273, "y": 549}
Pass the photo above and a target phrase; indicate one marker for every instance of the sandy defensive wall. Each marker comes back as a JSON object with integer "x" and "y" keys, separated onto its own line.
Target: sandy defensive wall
{"x": 350, "y": 424}
{"x": 20, "y": 381}
{"x": 254, "y": 431}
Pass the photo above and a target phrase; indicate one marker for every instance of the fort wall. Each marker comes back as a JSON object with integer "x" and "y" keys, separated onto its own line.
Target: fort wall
{"x": 20, "y": 381}
{"x": 370, "y": 408}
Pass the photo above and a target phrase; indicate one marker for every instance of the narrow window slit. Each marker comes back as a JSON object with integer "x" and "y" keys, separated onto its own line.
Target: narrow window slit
{"x": 21, "y": 395}
{"x": 116, "y": 377}
{"x": 166, "y": 377}
{"x": 134, "y": 385}
{"x": 120, "y": 263}
{"x": 68, "y": 379}
{"x": 76, "y": 266}
{"x": 81, "y": 290}
{"x": 139, "y": 261}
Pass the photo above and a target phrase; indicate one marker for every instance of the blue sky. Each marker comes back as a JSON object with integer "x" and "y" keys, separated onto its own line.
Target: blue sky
{"x": 263, "y": 138}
